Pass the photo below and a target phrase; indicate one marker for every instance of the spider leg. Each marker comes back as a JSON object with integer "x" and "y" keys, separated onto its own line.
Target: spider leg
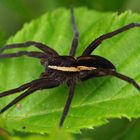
{"x": 16, "y": 100}
{"x": 126, "y": 78}
{"x": 21, "y": 88}
{"x": 71, "y": 85}
{"x": 121, "y": 76}
{"x": 49, "y": 51}
{"x": 76, "y": 35}
{"x": 99, "y": 40}
{"x": 26, "y": 53}
{"x": 46, "y": 83}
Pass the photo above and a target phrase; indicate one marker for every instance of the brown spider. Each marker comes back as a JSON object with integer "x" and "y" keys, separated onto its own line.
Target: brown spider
{"x": 65, "y": 69}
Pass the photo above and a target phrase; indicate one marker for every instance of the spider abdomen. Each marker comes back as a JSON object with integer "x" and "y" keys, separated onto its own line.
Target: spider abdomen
{"x": 94, "y": 61}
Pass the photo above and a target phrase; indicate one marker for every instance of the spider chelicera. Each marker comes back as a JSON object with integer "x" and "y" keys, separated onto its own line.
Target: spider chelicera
{"x": 65, "y": 69}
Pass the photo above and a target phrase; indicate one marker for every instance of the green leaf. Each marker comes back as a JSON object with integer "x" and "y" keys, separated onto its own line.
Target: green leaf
{"x": 58, "y": 134}
{"x": 95, "y": 100}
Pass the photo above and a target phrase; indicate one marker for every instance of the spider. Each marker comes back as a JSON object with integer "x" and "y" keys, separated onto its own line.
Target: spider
{"x": 65, "y": 69}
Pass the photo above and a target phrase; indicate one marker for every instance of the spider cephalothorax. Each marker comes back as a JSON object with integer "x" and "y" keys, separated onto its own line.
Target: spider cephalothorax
{"x": 65, "y": 69}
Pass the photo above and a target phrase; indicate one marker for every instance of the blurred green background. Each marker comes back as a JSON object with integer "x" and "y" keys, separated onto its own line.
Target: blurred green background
{"x": 14, "y": 13}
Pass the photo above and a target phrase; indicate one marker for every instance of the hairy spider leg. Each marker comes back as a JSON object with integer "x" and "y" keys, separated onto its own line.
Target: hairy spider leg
{"x": 120, "y": 76}
{"x": 99, "y": 40}
{"x": 26, "y": 53}
{"x": 49, "y": 51}
{"x": 21, "y": 88}
{"x": 71, "y": 85}
{"x": 45, "y": 84}
{"x": 125, "y": 78}
{"x": 17, "y": 99}
{"x": 76, "y": 35}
